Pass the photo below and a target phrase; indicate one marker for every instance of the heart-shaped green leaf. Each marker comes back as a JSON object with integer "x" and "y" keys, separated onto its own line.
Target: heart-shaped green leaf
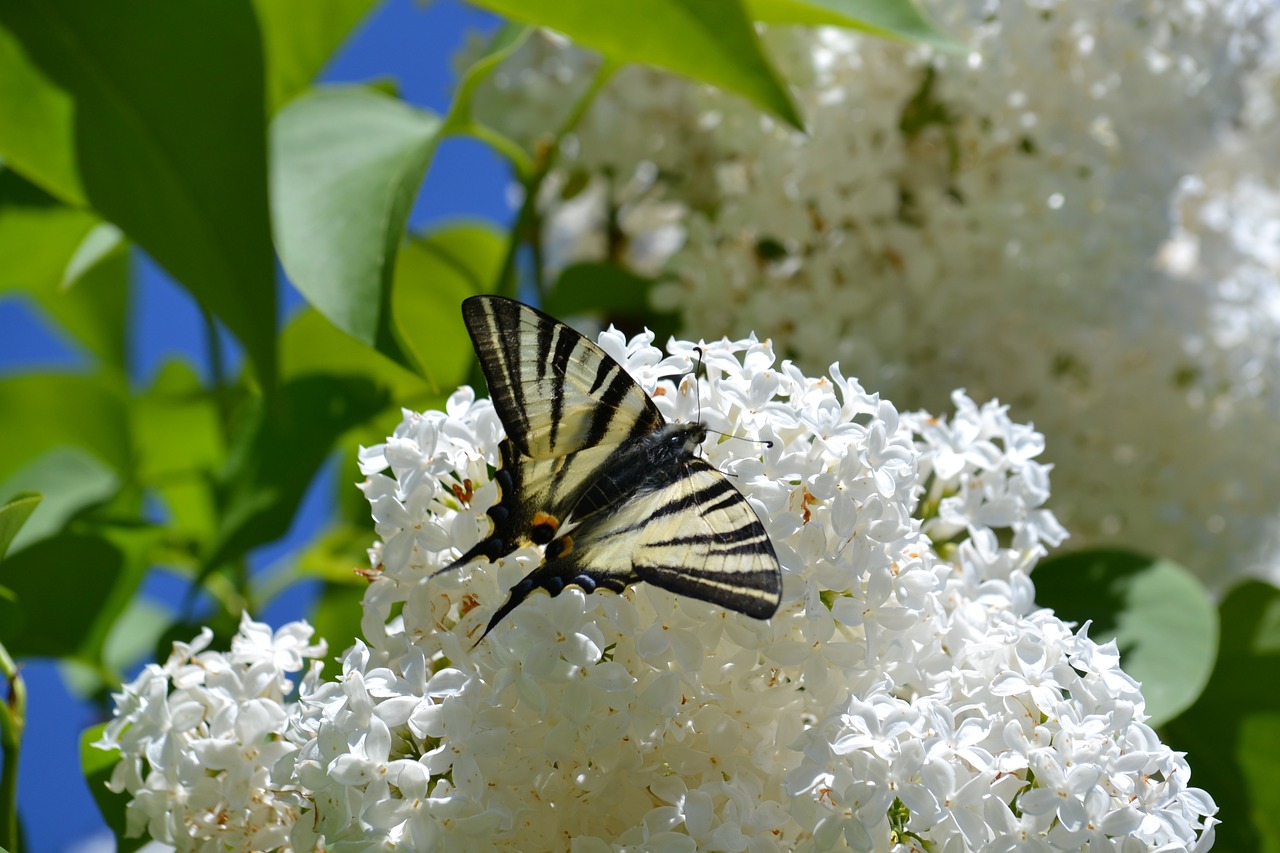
{"x": 346, "y": 164}
{"x": 1158, "y": 613}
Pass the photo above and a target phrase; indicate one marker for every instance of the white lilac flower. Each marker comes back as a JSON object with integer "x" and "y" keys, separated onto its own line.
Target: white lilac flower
{"x": 1080, "y": 217}
{"x": 908, "y": 692}
{"x": 200, "y": 736}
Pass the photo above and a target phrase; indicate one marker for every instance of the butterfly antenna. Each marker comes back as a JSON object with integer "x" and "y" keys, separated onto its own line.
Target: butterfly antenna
{"x": 767, "y": 442}
{"x": 697, "y": 386}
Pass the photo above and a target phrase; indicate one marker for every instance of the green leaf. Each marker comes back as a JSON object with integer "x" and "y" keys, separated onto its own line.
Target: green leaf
{"x": 1230, "y": 734}
{"x": 709, "y": 40}
{"x": 435, "y": 272}
{"x": 46, "y": 245}
{"x": 61, "y": 585}
{"x": 298, "y": 38}
{"x": 70, "y": 480}
{"x": 180, "y": 453}
{"x": 311, "y": 345}
{"x": 48, "y": 410}
{"x": 153, "y": 114}
{"x": 97, "y": 765}
{"x": 346, "y": 164}
{"x": 1260, "y": 737}
{"x": 278, "y": 453}
{"x": 37, "y": 122}
{"x": 897, "y": 19}
{"x": 1158, "y": 613}
{"x": 176, "y": 428}
{"x": 13, "y": 515}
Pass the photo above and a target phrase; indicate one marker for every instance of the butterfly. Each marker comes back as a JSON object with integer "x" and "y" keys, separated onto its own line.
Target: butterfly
{"x": 593, "y": 473}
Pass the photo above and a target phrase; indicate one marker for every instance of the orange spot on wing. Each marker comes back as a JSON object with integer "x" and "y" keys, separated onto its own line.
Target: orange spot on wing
{"x": 543, "y": 519}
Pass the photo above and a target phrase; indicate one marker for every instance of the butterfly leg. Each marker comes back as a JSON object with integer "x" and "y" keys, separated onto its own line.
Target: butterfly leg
{"x": 554, "y": 577}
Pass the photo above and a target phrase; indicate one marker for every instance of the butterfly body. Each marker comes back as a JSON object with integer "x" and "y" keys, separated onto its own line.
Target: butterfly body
{"x": 592, "y": 472}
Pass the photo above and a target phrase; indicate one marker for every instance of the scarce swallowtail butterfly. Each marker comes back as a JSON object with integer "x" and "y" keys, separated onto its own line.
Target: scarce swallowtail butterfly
{"x": 592, "y": 472}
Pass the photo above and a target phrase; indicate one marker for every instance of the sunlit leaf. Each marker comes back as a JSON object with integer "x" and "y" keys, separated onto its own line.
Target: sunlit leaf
{"x": 311, "y": 345}
{"x": 134, "y": 635}
{"x": 1158, "y": 613}
{"x": 708, "y": 40}
{"x": 153, "y": 114}
{"x": 435, "y": 272}
{"x": 36, "y": 122}
{"x": 175, "y": 422}
{"x": 346, "y": 164}
{"x": 298, "y": 37}
{"x": 48, "y": 410}
{"x": 899, "y": 19}
{"x": 53, "y": 252}
{"x": 70, "y": 480}
{"x": 13, "y": 515}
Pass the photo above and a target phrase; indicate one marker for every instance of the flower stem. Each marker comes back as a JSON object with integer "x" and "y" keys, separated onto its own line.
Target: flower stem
{"x": 527, "y": 224}
{"x": 13, "y": 717}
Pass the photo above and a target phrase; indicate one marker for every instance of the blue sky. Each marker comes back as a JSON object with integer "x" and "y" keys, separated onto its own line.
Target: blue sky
{"x": 408, "y": 41}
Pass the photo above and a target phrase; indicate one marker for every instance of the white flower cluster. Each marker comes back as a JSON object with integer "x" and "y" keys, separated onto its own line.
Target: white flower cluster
{"x": 1080, "y": 217}
{"x": 899, "y": 696}
{"x": 200, "y": 736}
{"x": 908, "y": 693}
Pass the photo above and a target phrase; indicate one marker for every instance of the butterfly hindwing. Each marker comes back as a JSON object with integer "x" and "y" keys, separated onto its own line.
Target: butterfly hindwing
{"x": 591, "y": 471}
{"x": 695, "y": 535}
{"x": 705, "y": 541}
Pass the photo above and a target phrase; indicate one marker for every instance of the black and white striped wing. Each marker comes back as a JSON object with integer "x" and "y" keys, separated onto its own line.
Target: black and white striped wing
{"x": 555, "y": 391}
{"x": 696, "y": 536}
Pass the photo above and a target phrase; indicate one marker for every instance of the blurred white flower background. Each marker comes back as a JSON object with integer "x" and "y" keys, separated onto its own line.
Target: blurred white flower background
{"x": 1081, "y": 218}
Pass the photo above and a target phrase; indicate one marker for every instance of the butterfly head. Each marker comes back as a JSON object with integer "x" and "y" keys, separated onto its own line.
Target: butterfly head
{"x": 674, "y": 441}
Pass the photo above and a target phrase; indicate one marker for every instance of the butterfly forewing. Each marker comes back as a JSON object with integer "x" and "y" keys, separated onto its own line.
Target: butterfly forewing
{"x": 555, "y": 391}
{"x": 592, "y": 472}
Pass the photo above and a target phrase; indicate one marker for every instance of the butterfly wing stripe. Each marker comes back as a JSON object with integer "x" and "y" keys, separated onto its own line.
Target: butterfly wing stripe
{"x": 499, "y": 355}
{"x": 670, "y": 538}
{"x": 559, "y": 367}
{"x": 555, "y": 391}
{"x": 753, "y": 593}
{"x": 621, "y": 389}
